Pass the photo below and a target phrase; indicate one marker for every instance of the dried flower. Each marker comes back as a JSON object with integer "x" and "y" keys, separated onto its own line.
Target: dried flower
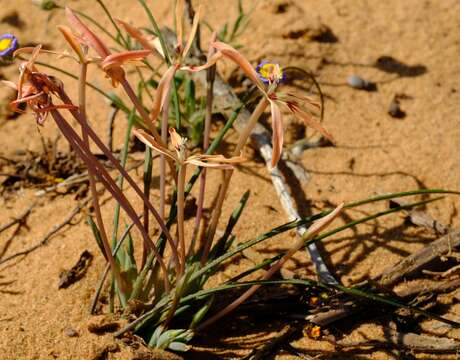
{"x": 8, "y": 44}
{"x": 36, "y": 89}
{"x": 181, "y": 155}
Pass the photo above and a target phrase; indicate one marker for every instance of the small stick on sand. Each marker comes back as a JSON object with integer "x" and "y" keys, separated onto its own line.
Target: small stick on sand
{"x": 53, "y": 231}
{"x": 20, "y": 219}
{"x": 414, "y": 342}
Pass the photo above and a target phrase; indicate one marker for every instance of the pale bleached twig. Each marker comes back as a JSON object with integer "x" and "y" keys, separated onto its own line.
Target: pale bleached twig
{"x": 395, "y": 273}
{"x": 71, "y": 180}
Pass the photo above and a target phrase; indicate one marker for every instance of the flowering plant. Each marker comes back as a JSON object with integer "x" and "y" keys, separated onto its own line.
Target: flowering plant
{"x": 167, "y": 275}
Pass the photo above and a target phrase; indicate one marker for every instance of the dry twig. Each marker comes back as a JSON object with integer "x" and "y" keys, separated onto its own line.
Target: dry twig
{"x": 420, "y": 259}
{"x": 17, "y": 220}
{"x": 414, "y": 342}
{"x": 52, "y": 232}
{"x": 392, "y": 275}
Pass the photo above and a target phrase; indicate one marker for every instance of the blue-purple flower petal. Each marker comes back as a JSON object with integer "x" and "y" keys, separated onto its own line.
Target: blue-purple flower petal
{"x": 8, "y": 44}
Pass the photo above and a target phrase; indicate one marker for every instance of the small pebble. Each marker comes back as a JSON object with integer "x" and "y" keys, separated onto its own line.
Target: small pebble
{"x": 70, "y": 332}
{"x": 357, "y": 82}
{"x": 394, "y": 110}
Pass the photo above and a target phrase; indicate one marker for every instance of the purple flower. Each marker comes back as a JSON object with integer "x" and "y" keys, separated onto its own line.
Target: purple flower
{"x": 270, "y": 72}
{"x": 8, "y": 44}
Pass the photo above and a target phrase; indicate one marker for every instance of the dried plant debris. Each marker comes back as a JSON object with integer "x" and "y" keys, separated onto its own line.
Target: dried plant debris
{"x": 39, "y": 169}
{"x": 69, "y": 277}
{"x": 100, "y": 325}
{"x": 411, "y": 341}
{"x": 103, "y": 352}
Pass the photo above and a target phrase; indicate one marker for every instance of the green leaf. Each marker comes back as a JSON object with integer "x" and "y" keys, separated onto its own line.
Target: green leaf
{"x": 96, "y": 234}
{"x": 305, "y": 221}
{"x": 222, "y": 34}
{"x": 200, "y": 314}
{"x": 155, "y": 336}
{"x": 178, "y": 346}
{"x": 222, "y": 244}
{"x": 190, "y": 97}
{"x": 350, "y": 224}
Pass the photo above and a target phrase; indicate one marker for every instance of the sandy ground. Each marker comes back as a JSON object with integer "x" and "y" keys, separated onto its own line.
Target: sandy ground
{"x": 375, "y": 154}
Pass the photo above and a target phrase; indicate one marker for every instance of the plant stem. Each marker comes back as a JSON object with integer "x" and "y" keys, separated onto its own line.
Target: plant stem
{"x": 92, "y": 180}
{"x": 168, "y": 60}
{"x": 164, "y": 137}
{"x": 140, "y": 109}
{"x": 64, "y": 97}
{"x": 180, "y": 215}
{"x": 99, "y": 170}
{"x": 210, "y": 75}
{"x": 258, "y": 111}
{"x": 123, "y": 158}
{"x": 147, "y": 183}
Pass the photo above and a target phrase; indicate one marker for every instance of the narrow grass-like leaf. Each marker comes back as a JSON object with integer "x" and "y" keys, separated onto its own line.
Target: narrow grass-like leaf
{"x": 190, "y": 100}
{"x": 220, "y": 246}
{"x": 115, "y": 25}
{"x": 97, "y": 235}
{"x": 123, "y": 159}
{"x": 107, "y": 268}
{"x": 350, "y": 224}
{"x": 350, "y": 291}
{"x": 286, "y": 227}
{"x": 201, "y": 313}
{"x": 168, "y": 60}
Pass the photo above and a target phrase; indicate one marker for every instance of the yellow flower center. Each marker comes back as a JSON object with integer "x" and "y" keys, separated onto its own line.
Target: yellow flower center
{"x": 5, "y": 44}
{"x": 271, "y": 72}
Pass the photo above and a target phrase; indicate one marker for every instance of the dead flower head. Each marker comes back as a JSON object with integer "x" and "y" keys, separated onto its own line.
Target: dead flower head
{"x": 181, "y": 154}
{"x": 36, "y": 89}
